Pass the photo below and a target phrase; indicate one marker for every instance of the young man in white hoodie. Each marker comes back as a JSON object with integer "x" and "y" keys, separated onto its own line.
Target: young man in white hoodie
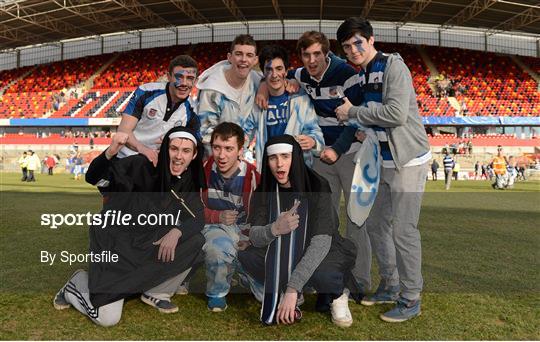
{"x": 227, "y": 89}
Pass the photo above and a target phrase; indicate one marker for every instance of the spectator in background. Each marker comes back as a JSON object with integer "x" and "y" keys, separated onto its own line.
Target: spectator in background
{"x": 511, "y": 169}
{"x": 33, "y": 164}
{"x": 448, "y": 164}
{"x": 521, "y": 173}
{"x": 51, "y": 163}
{"x": 455, "y": 170}
{"x": 477, "y": 170}
{"x": 77, "y": 161}
{"x": 484, "y": 171}
{"x": 434, "y": 168}
{"x": 23, "y": 163}
{"x": 499, "y": 169}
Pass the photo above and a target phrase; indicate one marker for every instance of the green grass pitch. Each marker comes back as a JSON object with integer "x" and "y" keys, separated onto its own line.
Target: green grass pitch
{"x": 481, "y": 267}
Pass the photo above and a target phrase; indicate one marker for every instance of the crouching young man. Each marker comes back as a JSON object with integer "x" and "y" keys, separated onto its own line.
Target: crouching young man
{"x": 152, "y": 259}
{"x": 230, "y": 184}
{"x": 295, "y": 239}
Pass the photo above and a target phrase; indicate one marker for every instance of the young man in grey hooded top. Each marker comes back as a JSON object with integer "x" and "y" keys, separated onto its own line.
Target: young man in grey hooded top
{"x": 389, "y": 107}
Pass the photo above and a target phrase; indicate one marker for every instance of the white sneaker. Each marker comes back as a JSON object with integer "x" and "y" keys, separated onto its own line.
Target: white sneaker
{"x": 341, "y": 315}
{"x": 183, "y": 289}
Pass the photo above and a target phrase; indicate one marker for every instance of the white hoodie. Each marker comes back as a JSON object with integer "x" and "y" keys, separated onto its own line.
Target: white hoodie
{"x": 219, "y": 102}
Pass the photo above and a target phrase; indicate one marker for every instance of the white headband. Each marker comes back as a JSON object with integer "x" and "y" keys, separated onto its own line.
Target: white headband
{"x": 279, "y": 148}
{"x": 183, "y": 135}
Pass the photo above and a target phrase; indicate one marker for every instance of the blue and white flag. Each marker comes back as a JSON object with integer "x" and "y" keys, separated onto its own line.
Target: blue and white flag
{"x": 365, "y": 182}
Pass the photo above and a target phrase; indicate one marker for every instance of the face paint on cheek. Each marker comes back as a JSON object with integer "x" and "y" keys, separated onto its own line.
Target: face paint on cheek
{"x": 358, "y": 43}
{"x": 181, "y": 78}
{"x": 268, "y": 69}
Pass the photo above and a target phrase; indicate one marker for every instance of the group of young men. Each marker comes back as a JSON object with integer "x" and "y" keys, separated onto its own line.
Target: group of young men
{"x": 276, "y": 222}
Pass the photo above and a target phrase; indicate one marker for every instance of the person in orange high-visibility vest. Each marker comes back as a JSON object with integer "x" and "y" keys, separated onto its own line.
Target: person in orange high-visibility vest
{"x": 499, "y": 168}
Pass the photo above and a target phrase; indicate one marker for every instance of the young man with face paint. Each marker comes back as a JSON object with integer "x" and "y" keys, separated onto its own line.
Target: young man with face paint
{"x": 287, "y": 113}
{"x": 227, "y": 89}
{"x": 390, "y": 108}
{"x": 230, "y": 183}
{"x": 151, "y": 259}
{"x": 155, "y": 108}
{"x": 327, "y": 78}
{"x": 295, "y": 240}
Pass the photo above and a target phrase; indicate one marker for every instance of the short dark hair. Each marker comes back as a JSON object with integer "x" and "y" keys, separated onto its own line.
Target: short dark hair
{"x": 243, "y": 39}
{"x": 227, "y": 130}
{"x": 312, "y": 37}
{"x": 183, "y": 61}
{"x": 352, "y": 26}
{"x": 269, "y": 52}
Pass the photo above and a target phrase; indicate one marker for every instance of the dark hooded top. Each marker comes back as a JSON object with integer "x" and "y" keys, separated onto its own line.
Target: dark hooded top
{"x": 305, "y": 183}
{"x": 132, "y": 185}
{"x": 316, "y": 217}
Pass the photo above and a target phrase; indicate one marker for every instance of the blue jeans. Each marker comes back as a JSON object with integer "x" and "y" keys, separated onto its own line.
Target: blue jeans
{"x": 220, "y": 258}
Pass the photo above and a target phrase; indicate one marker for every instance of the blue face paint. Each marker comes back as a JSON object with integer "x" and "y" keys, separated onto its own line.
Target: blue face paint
{"x": 268, "y": 69}
{"x": 185, "y": 77}
{"x": 358, "y": 43}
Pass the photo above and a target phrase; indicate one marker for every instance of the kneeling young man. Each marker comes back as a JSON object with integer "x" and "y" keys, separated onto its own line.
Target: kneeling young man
{"x": 295, "y": 239}
{"x": 230, "y": 184}
{"x": 152, "y": 259}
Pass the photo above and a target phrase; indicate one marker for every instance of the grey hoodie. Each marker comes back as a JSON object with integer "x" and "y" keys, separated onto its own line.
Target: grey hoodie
{"x": 398, "y": 114}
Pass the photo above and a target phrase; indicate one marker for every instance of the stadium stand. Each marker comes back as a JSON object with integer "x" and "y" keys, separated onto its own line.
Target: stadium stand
{"x": 484, "y": 84}
{"x": 489, "y": 84}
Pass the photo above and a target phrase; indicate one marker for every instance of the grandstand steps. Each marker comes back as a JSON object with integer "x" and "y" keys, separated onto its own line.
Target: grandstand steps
{"x": 105, "y": 107}
{"x": 526, "y": 68}
{"x": 89, "y": 83}
{"x": 434, "y": 72}
{"x": 124, "y": 103}
{"x": 64, "y": 109}
{"x": 3, "y": 90}
{"x": 81, "y": 112}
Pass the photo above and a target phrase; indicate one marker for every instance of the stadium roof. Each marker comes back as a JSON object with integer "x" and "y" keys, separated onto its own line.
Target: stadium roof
{"x": 27, "y": 22}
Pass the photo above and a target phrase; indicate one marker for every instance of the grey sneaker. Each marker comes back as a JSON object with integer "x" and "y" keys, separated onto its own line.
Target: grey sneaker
{"x": 383, "y": 295}
{"x": 183, "y": 289}
{"x": 59, "y": 300}
{"x": 164, "y": 306}
{"x": 405, "y": 309}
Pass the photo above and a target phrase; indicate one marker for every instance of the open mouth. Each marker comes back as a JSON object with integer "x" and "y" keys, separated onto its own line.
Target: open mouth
{"x": 281, "y": 175}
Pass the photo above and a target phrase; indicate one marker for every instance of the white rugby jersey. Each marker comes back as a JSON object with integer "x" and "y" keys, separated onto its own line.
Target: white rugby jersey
{"x": 151, "y": 104}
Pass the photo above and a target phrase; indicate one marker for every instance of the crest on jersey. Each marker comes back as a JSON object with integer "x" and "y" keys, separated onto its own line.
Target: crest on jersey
{"x": 152, "y": 113}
